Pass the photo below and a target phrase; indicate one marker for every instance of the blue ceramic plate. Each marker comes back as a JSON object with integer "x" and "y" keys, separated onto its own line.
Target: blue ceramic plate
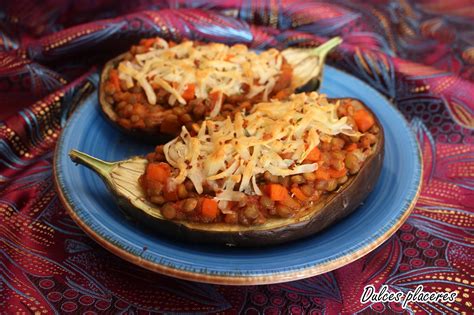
{"x": 92, "y": 207}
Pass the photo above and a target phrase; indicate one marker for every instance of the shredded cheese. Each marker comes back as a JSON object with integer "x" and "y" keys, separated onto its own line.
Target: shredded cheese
{"x": 210, "y": 68}
{"x": 229, "y": 155}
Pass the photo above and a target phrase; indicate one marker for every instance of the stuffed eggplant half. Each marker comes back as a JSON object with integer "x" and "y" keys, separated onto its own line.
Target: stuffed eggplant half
{"x": 159, "y": 86}
{"x": 286, "y": 170}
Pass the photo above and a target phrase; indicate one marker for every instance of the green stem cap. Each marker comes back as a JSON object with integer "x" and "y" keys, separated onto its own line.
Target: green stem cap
{"x": 325, "y": 48}
{"x": 99, "y": 166}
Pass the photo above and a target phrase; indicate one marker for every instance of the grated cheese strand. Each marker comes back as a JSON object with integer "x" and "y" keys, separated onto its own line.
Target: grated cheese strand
{"x": 210, "y": 68}
{"x": 229, "y": 155}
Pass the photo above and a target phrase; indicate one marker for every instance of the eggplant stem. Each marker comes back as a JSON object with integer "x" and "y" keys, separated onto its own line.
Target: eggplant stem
{"x": 322, "y": 50}
{"x": 99, "y": 166}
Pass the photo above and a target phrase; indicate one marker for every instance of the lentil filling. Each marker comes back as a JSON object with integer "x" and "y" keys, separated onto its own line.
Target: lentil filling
{"x": 317, "y": 155}
{"x": 162, "y": 86}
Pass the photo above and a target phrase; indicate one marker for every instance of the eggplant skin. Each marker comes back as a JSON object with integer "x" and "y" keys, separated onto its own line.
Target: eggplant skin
{"x": 330, "y": 209}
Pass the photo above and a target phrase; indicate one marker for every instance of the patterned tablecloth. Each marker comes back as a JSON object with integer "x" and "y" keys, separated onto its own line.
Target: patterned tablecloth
{"x": 420, "y": 55}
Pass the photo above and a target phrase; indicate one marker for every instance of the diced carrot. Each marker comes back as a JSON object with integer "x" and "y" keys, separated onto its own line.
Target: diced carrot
{"x": 113, "y": 75}
{"x": 214, "y": 96}
{"x": 282, "y": 94}
{"x": 314, "y": 155}
{"x": 277, "y": 192}
{"x": 170, "y": 194}
{"x": 159, "y": 172}
{"x": 322, "y": 174}
{"x": 284, "y": 78}
{"x": 336, "y": 174}
{"x": 209, "y": 208}
{"x": 299, "y": 194}
{"x": 188, "y": 94}
{"x": 229, "y": 57}
{"x": 148, "y": 42}
{"x": 363, "y": 119}
{"x": 351, "y": 147}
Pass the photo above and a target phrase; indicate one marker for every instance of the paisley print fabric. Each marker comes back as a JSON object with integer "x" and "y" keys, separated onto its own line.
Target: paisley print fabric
{"x": 419, "y": 54}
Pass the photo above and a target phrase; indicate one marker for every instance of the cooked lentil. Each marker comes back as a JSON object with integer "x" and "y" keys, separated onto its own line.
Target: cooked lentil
{"x": 341, "y": 157}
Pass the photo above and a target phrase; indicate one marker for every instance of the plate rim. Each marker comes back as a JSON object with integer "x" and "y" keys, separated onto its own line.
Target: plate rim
{"x": 284, "y": 276}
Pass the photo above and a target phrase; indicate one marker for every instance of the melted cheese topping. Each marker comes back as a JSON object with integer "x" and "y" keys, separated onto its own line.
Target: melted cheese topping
{"x": 276, "y": 137}
{"x": 210, "y": 68}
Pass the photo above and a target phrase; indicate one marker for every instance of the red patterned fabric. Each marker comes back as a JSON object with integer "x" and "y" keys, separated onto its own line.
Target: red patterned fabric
{"x": 419, "y": 54}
